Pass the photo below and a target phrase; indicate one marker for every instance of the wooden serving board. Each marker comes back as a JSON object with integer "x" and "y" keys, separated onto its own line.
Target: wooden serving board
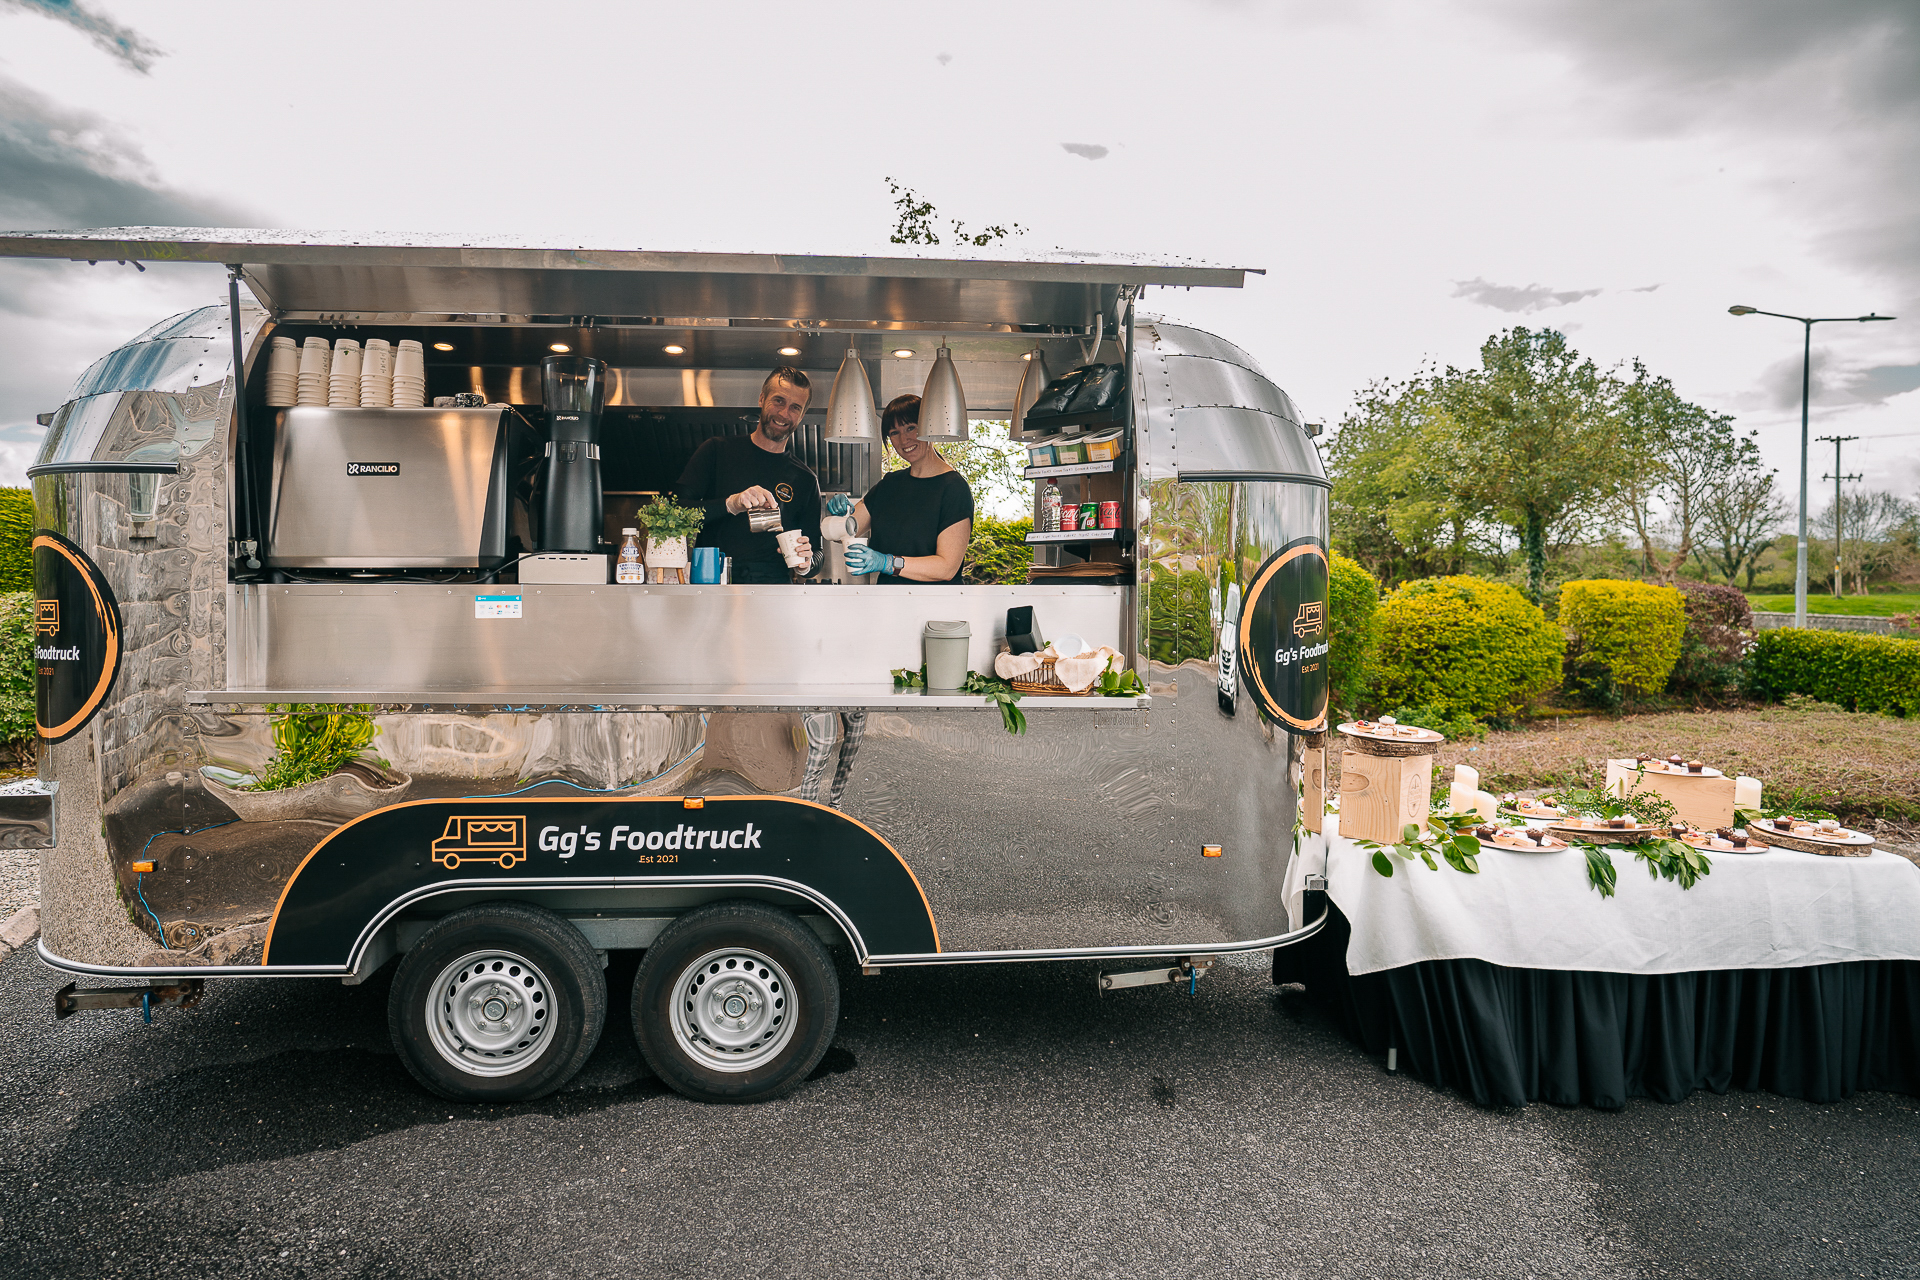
{"x": 1604, "y": 835}
{"x": 1753, "y": 846}
{"x": 1860, "y": 846}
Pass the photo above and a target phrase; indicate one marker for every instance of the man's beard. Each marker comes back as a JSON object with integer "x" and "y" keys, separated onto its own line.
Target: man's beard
{"x": 774, "y": 430}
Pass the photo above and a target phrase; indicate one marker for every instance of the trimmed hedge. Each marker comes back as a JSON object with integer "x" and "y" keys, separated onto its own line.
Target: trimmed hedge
{"x": 16, "y": 540}
{"x": 1621, "y": 634}
{"x": 998, "y": 551}
{"x": 1717, "y": 642}
{"x": 1855, "y": 671}
{"x": 1465, "y": 646}
{"x": 16, "y": 672}
{"x": 1353, "y": 630}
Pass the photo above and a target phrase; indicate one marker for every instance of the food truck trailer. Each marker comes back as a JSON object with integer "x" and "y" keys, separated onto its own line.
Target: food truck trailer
{"x": 724, "y": 776}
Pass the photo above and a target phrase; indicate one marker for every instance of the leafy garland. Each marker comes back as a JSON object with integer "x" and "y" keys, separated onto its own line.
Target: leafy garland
{"x": 1460, "y": 849}
{"x": 1004, "y": 695}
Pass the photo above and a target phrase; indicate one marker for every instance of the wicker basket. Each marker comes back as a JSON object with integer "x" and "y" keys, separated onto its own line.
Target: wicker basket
{"x": 1044, "y": 683}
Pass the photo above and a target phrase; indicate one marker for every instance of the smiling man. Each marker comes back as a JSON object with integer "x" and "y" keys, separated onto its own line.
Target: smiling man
{"x": 731, "y": 476}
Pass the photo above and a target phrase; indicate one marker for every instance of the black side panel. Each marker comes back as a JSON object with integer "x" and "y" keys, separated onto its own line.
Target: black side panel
{"x": 365, "y": 865}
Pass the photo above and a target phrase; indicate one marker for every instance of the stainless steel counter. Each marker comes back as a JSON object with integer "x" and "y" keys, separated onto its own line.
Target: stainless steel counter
{"x": 677, "y": 647}
{"x": 524, "y": 698}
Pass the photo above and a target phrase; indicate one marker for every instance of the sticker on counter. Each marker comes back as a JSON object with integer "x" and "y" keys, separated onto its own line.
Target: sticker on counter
{"x": 496, "y": 606}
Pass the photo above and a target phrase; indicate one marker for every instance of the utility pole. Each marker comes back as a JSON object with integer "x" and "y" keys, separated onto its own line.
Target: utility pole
{"x": 1839, "y": 582}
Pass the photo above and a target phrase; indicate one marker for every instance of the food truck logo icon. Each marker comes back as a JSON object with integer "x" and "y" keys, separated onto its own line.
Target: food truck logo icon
{"x": 1310, "y": 619}
{"x": 46, "y": 618}
{"x": 783, "y": 491}
{"x": 502, "y": 841}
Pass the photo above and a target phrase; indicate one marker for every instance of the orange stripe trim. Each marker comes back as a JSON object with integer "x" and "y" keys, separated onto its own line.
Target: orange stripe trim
{"x": 1250, "y": 669}
{"x": 266, "y": 950}
{"x": 107, "y": 665}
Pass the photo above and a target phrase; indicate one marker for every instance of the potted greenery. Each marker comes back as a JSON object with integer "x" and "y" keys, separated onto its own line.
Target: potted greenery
{"x": 669, "y": 526}
{"x": 317, "y": 772}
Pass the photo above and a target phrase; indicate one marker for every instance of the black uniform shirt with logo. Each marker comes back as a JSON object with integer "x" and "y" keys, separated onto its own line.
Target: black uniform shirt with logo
{"x": 907, "y": 513}
{"x": 728, "y": 465}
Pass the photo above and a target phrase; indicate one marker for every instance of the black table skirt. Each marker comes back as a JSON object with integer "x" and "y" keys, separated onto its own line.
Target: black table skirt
{"x": 1504, "y": 1037}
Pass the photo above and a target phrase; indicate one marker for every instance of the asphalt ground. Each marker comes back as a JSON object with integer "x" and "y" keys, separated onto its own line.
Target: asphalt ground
{"x": 991, "y": 1121}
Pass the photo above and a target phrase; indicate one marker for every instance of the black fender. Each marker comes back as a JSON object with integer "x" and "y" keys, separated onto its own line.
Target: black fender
{"x": 369, "y": 867}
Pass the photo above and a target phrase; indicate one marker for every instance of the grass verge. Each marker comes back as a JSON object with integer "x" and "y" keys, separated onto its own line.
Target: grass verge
{"x": 1859, "y": 766}
{"x": 1878, "y": 606}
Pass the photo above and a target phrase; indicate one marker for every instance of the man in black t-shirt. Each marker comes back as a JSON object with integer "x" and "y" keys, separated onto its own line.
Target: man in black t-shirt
{"x": 732, "y": 475}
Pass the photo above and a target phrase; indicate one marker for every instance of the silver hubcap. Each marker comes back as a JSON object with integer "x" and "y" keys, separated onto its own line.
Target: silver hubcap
{"x": 733, "y": 1010}
{"x": 490, "y": 1013}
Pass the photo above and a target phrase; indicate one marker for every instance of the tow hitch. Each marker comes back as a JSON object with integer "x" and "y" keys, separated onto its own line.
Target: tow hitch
{"x": 183, "y": 994}
{"x": 1187, "y": 969}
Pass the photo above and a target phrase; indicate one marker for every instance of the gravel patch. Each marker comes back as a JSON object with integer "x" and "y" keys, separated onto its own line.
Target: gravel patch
{"x": 19, "y": 880}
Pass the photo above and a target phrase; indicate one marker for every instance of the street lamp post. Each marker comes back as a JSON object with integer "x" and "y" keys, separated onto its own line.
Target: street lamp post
{"x": 1806, "y": 390}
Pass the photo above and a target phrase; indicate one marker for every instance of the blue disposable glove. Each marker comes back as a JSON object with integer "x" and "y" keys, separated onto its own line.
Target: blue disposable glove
{"x": 838, "y": 504}
{"x": 863, "y": 559}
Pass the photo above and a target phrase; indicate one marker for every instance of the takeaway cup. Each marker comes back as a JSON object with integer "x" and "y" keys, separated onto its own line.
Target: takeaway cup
{"x": 943, "y": 646}
{"x": 787, "y": 540}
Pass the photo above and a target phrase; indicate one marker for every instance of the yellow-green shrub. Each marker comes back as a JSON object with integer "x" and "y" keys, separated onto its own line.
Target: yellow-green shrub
{"x": 1353, "y": 633}
{"x": 1622, "y": 635}
{"x": 1465, "y": 646}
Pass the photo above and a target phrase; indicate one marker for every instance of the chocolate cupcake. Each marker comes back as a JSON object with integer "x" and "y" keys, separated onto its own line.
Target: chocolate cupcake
{"x": 1695, "y": 766}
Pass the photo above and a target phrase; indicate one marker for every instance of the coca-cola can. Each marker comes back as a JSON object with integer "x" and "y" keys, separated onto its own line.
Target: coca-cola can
{"x": 1069, "y": 518}
{"x": 1109, "y": 515}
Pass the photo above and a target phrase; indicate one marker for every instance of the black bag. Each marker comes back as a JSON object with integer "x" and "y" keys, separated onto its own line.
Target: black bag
{"x": 1099, "y": 390}
{"x": 1059, "y": 393}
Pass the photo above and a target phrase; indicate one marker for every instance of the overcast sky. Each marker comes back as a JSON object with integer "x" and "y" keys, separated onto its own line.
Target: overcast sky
{"x": 1414, "y": 176}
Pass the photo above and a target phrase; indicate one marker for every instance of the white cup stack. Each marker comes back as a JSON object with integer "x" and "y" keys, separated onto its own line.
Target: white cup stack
{"x": 343, "y": 378}
{"x": 376, "y": 374}
{"x": 316, "y": 356}
{"x": 409, "y": 375}
{"x": 283, "y": 373}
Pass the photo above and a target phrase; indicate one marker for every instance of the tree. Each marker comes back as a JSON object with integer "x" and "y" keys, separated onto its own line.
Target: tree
{"x": 1880, "y": 534}
{"x": 1394, "y": 504}
{"x": 1536, "y": 441}
{"x": 1675, "y": 453}
{"x": 1740, "y": 517}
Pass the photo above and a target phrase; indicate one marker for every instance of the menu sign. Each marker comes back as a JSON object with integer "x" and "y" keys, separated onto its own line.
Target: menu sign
{"x": 1283, "y": 637}
{"x": 76, "y": 638}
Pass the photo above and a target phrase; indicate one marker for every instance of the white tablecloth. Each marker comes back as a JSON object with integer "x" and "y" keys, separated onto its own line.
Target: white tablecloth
{"x": 1776, "y": 910}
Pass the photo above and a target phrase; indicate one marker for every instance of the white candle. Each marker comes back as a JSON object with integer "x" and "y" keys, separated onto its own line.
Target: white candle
{"x": 1746, "y": 793}
{"x": 1465, "y": 775}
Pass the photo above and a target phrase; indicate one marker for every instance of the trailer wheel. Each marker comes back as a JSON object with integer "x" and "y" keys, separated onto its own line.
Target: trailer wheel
{"x": 735, "y": 1002}
{"x": 497, "y": 1003}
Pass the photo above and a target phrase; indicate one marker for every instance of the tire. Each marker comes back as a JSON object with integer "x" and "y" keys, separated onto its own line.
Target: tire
{"x": 735, "y": 1002}
{"x": 522, "y": 1034}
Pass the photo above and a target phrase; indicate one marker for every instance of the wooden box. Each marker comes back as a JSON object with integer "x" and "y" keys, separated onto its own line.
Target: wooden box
{"x": 1701, "y": 801}
{"x": 1313, "y": 801}
{"x": 1379, "y": 795}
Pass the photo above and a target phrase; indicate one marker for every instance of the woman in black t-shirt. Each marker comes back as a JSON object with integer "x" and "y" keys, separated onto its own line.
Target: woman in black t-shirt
{"x": 918, "y": 521}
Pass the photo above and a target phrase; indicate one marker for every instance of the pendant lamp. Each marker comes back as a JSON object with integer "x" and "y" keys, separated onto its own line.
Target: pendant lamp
{"x": 1033, "y": 381}
{"x": 943, "y": 406}
{"x": 850, "y": 414}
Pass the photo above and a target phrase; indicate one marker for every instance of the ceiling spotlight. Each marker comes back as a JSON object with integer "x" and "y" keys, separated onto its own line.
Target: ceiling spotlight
{"x": 903, "y": 352}
{"x": 560, "y": 347}
{"x": 443, "y": 346}
{"x": 789, "y": 351}
{"x": 674, "y": 349}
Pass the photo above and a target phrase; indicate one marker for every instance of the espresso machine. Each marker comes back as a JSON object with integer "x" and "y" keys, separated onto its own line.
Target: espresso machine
{"x": 573, "y": 389}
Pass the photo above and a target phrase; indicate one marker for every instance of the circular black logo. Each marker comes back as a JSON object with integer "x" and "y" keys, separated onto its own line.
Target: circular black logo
{"x": 1283, "y": 636}
{"x": 76, "y": 637}
{"x": 783, "y": 491}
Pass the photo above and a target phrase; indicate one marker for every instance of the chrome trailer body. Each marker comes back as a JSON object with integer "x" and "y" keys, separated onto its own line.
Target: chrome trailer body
{"x": 604, "y": 726}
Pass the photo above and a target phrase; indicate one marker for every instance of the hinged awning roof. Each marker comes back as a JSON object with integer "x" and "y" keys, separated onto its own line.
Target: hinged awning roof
{"x": 337, "y": 274}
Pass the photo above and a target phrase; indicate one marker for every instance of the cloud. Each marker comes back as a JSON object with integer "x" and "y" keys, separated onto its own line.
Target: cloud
{"x": 1509, "y": 297}
{"x": 1880, "y": 382}
{"x": 1832, "y": 90}
{"x": 123, "y": 43}
{"x": 943, "y": 58}
{"x": 1085, "y": 150}
{"x": 65, "y": 168}
{"x": 1645, "y": 288}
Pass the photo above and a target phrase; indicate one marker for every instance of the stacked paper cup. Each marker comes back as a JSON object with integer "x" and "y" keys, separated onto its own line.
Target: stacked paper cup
{"x": 376, "y": 374}
{"x": 409, "y": 375}
{"x": 283, "y": 373}
{"x": 315, "y": 358}
{"x": 343, "y": 381}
